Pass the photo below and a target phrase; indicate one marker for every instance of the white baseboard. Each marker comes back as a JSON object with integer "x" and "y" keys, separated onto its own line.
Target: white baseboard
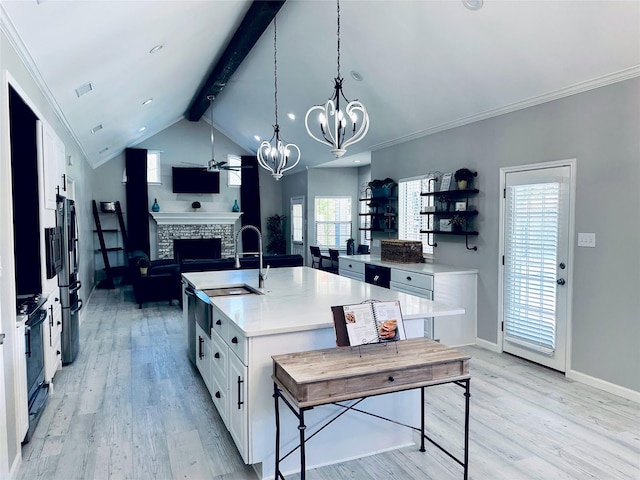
{"x": 604, "y": 385}
{"x": 494, "y": 347}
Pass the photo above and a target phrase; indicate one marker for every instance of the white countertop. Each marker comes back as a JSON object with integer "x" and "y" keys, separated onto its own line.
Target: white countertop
{"x": 428, "y": 268}
{"x": 300, "y": 298}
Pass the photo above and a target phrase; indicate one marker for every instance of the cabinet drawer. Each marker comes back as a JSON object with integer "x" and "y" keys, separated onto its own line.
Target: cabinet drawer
{"x": 219, "y": 322}
{"x": 347, "y": 265}
{"x": 220, "y": 398}
{"x": 418, "y": 280}
{"x": 237, "y": 342}
{"x": 219, "y": 358}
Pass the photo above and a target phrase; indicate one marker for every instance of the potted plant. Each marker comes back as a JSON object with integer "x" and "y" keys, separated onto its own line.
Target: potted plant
{"x": 463, "y": 176}
{"x": 143, "y": 265}
{"x": 196, "y": 206}
{"x": 457, "y": 222}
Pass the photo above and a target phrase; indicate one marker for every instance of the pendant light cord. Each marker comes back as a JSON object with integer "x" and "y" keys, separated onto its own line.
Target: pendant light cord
{"x": 275, "y": 64}
{"x": 338, "y": 2}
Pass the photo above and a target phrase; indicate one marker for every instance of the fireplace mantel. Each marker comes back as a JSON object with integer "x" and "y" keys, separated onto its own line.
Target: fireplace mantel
{"x": 195, "y": 218}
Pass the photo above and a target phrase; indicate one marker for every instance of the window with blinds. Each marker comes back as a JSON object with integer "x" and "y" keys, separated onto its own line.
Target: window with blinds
{"x": 333, "y": 221}
{"x": 296, "y": 222}
{"x": 530, "y": 265}
{"x": 410, "y": 204}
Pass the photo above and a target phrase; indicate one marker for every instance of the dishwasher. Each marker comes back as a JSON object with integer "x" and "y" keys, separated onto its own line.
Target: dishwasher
{"x": 198, "y": 311}
{"x": 377, "y": 275}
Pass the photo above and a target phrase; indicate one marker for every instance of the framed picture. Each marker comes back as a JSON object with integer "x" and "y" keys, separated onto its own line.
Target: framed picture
{"x": 461, "y": 206}
{"x": 445, "y": 225}
{"x": 446, "y": 182}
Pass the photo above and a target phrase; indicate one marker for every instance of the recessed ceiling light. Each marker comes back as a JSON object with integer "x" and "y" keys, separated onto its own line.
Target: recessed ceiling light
{"x": 147, "y": 101}
{"x": 356, "y": 161}
{"x": 142, "y": 129}
{"x": 356, "y": 75}
{"x": 292, "y": 116}
{"x": 104, "y": 150}
{"x": 97, "y": 128}
{"x": 473, "y": 4}
{"x": 156, "y": 49}
{"x": 257, "y": 138}
{"x": 84, "y": 89}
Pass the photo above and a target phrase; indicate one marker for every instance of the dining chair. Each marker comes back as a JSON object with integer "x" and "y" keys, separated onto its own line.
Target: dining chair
{"x": 316, "y": 256}
{"x": 333, "y": 255}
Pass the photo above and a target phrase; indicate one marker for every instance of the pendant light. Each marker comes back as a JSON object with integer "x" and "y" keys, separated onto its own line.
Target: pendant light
{"x": 339, "y": 128}
{"x": 276, "y": 155}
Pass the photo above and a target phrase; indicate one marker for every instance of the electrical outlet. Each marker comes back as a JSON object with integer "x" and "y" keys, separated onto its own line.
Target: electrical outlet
{"x": 587, "y": 240}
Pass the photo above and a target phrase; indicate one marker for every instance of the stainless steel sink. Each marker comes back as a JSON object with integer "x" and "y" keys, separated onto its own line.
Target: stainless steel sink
{"x": 231, "y": 291}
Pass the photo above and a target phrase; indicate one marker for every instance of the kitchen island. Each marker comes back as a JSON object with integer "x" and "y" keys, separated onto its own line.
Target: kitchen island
{"x": 293, "y": 314}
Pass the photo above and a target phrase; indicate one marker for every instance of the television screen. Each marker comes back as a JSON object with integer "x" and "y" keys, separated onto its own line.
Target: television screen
{"x": 195, "y": 180}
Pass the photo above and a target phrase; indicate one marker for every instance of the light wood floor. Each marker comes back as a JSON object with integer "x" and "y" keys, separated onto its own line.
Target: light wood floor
{"x": 131, "y": 406}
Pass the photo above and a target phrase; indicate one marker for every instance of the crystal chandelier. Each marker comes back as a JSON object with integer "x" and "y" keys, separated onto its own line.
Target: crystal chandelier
{"x": 339, "y": 128}
{"x": 276, "y": 155}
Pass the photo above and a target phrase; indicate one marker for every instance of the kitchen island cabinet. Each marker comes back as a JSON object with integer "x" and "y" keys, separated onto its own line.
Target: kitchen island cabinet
{"x": 294, "y": 315}
{"x": 441, "y": 283}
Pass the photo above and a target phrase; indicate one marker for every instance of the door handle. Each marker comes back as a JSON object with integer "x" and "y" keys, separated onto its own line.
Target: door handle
{"x": 2, "y": 338}
{"x": 560, "y": 281}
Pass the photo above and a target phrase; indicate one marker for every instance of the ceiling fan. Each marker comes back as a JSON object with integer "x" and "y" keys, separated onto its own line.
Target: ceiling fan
{"x": 212, "y": 165}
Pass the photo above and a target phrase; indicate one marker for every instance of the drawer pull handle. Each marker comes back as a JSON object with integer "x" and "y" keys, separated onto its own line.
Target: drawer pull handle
{"x": 58, "y": 352}
{"x": 218, "y": 395}
{"x": 391, "y": 379}
{"x": 217, "y": 355}
{"x": 234, "y": 340}
{"x": 218, "y": 322}
{"x": 350, "y": 266}
{"x": 409, "y": 278}
{"x": 200, "y": 343}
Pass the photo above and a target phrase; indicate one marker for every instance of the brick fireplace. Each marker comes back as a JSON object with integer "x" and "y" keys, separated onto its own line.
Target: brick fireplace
{"x": 195, "y": 225}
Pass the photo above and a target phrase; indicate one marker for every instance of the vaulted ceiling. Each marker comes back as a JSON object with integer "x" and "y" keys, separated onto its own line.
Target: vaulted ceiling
{"x": 425, "y": 66}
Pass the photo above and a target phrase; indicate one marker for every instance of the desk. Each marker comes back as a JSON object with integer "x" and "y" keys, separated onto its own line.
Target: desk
{"x": 330, "y": 376}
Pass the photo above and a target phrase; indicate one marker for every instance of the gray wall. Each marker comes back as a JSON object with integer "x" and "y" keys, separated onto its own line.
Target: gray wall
{"x": 600, "y": 129}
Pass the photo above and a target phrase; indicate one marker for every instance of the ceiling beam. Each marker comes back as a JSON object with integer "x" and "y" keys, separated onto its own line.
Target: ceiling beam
{"x": 253, "y": 25}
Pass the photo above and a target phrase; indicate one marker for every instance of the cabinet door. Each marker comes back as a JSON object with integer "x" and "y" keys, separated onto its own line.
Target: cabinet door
{"x": 237, "y": 421}
{"x": 203, "y": 356}
{"x": 52, "y": 154}
{"x": 52, "y": 330}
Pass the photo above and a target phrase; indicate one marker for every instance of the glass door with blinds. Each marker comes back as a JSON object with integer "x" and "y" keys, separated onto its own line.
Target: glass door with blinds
{"x": 535, "y": 264}
{"x": 297, "y": 226}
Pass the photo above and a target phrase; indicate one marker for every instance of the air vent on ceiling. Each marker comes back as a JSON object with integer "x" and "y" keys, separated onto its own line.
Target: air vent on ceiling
{"x": 97, "y": 128}
{"x": 104, "y": 150}
{"x": 86, "y": 88}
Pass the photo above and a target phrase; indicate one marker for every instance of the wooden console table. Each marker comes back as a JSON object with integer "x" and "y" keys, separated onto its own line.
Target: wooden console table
{"x": 308, "y": 379}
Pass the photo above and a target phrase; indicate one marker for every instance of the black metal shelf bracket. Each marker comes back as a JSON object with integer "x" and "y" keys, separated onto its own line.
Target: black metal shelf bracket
{"x": 466, "y": 242}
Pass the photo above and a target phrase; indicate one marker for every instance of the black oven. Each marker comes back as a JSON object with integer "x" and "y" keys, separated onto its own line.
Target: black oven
{"x": 38, "y": 390}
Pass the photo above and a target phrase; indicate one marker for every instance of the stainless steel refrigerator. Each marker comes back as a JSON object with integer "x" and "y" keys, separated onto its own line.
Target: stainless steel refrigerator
{"x": 68, "y": 279}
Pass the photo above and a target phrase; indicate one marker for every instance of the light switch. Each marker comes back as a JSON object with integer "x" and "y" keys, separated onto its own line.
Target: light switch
{"x": 587, "y": 240}
{"x": 375, "y": 242}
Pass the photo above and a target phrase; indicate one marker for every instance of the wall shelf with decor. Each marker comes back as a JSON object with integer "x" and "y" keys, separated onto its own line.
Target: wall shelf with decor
{"x": 452, "y": 214}
{"x": 382, "y": 214}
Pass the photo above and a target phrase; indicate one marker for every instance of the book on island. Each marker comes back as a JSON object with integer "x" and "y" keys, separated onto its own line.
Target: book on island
{"x": 368, "y": 322}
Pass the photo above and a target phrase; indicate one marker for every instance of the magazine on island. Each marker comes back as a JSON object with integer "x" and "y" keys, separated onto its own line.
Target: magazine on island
{"x": 368, "y": 322}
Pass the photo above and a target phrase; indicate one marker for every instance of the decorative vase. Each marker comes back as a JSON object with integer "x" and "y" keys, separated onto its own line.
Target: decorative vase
{"x": 236, "y": 207}
{"x": 155, "y": 207}
{"x": 462, "y": 184}
{"x": 351, "y": 247}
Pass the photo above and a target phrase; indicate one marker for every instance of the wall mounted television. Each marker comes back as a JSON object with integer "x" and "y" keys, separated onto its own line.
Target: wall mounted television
{"x": 195, "y": 180}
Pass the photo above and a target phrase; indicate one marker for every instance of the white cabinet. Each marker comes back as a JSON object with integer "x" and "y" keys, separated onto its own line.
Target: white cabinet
{"x": 418, "y": 284}
{"x": 52, "y": 337}
{"x": 237, "y": 393}
{"x": 351, "y": 268}
{"x": 51, "y": 165}
{"x": 229, "y": 378}
{"x": 20, "y": 379}
{"x": 203, "y": 356}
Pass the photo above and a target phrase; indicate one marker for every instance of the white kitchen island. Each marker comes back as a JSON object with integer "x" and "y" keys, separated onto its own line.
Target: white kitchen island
{"x": 294, "y": 315}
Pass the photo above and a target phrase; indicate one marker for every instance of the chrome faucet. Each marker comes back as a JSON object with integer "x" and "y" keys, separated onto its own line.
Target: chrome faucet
{"x": 262, "y": 274}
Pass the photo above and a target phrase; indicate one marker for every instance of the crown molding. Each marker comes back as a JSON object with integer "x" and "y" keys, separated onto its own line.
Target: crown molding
{"x": 9, "y": 30}
{"x": 581, "y": 87}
